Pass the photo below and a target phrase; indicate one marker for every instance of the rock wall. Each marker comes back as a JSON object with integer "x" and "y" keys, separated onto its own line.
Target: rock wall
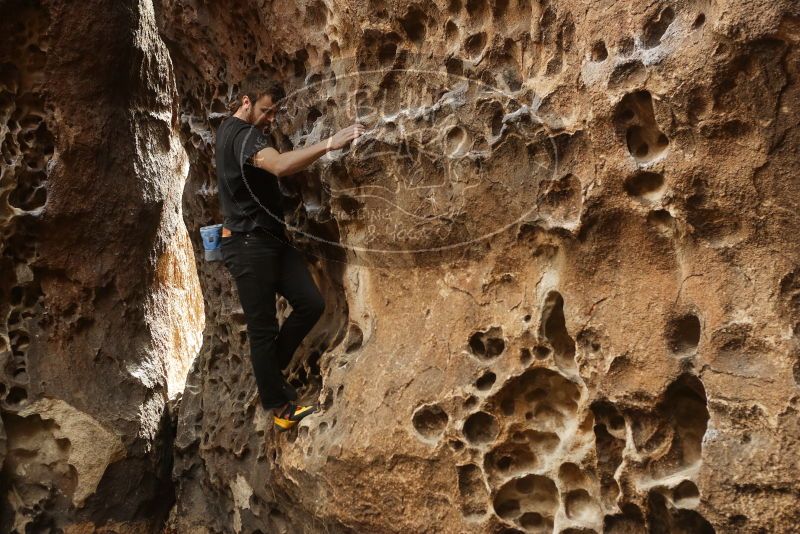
{"x": 93, "y": 341}
{"x": 596, "y": 329}
{"x": 561, "y": 268}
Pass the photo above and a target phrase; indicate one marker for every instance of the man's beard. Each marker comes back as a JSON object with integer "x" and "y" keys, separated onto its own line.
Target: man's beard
{"x": 251, "y": 118}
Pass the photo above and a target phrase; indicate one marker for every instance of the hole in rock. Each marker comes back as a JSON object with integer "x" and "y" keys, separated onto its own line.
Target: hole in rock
{"x": 524, "y": 454}
{"x": 507, "y": 509}
{"x": 16, "y": 295}
{"x": 627, "y": 115}
{"x": 312, "y": 116}
{"x": 525, "y": 485}
{"x": 609, "y": 456}
{"x": 683, "y": 334}
{"x": 497, "y": 119}
{"x": 450, "y": 31}
{"x": 571, "y": 475}
{"x": 530, "y": 520}
{"x": 555, "y": 330}
{"x": 16, "y": 396}
{"x": 487, "y": 344}
{"x": 655, "y": 28}
{"x": 630, "y": 521}
{"x": 607, "y": 414}
{"x": 672, "y": 433}
{"x": 499, "y": 9}
{"x": 635, "y": 115}
{"x": 480, "y": 427}
{"x": 685, "y": 408}
{"x": 456, "y": 141}
{"x": 738, "y": 520}
{"x": 355, "y": 338}
{"x": 486, "y": 381}
{"x": 588, "y": 339}
{"x": 430, "y": 421}
{"x": 477, "y": 8}
{"x": 525, "y": 356}
{"x": 686, "y": 494}
{"x": 474, "y": 44}
{"x": 536, "y": 505}
{"x": 662, "y": 220}
{"x": 581, "y": 507}
{"x": 387, "y": 53}
{"x": 670, "y": 519}
{"x": 699, "y": 21}
{"x": 456, "y": 444}
{"x": 414, "y": 25}
{"x": 644, "y": 184}
{"x": 455, "y": 66}
{"x": 599, "y": 52}
{"x": 507, "y": 406}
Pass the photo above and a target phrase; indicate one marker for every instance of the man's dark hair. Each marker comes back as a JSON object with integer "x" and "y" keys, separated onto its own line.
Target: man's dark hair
{"x": 254, "y": 86}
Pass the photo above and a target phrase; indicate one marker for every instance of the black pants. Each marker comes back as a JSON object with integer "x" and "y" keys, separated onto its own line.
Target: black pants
{"x": 262, "y": 265}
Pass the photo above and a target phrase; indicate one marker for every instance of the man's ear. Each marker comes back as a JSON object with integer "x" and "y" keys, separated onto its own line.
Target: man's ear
{"x": 246, "y": 102}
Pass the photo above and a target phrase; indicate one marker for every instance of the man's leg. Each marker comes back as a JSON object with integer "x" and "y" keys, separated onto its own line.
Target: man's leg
{"x": 255, "y": 265}
{"x": 295, "y": 283}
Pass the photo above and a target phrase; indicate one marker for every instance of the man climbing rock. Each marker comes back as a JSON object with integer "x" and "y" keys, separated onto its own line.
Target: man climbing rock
{"x": 255, "y": 245}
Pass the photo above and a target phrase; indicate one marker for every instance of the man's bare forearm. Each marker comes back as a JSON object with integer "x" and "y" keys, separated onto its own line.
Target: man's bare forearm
{"x": 297, "y": 160}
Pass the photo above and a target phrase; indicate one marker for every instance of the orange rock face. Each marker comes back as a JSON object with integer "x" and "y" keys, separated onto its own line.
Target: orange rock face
{"x": 561, "y": 268}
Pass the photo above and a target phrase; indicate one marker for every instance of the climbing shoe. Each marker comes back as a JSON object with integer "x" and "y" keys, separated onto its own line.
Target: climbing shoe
{"x": 291, "y": 415}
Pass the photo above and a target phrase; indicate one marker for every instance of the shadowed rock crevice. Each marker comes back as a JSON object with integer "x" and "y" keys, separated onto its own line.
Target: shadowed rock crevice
{"x": 683, "y": 334}
{"x": 554, "y": 329}
{"x": 559, "y": 268}
{"x": 635, "y": 116}
{"x": 99, "y": 308}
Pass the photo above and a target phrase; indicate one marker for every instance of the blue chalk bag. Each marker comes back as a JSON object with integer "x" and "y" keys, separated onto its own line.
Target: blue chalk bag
{"x": 212, "y": 238}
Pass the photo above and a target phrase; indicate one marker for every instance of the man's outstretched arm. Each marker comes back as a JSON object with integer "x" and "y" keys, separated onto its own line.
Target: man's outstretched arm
{"x": 283, "y": 164}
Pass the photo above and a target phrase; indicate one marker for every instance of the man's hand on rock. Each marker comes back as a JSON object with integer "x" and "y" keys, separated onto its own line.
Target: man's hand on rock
{"x": 341, "y": 138}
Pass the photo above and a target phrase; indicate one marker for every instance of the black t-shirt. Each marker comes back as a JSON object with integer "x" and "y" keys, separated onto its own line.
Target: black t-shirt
{"x": 236, "y": 142}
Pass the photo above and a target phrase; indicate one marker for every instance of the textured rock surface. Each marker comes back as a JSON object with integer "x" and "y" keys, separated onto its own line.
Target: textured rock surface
{"x": 92, "y": 259}
{"x": 613, "y": 346}
{"x": 623, "y": 357}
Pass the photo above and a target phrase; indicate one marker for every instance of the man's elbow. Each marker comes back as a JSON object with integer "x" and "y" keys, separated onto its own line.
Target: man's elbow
{"x": 281, "y": 166}
{"x": 272, "y": 163}
{"x": 281, "y": 170}
{"x": 277, "y": 169}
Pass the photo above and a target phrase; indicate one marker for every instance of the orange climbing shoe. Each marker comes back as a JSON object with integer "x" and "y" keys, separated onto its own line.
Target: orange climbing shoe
{"x": 291, "y": 415}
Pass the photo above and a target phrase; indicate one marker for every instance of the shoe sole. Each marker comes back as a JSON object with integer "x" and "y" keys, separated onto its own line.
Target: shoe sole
{"x": 290, "y": 423}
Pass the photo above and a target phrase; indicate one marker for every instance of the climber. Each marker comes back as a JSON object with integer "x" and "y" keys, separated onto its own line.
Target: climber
{"x": 255, "y": 245}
